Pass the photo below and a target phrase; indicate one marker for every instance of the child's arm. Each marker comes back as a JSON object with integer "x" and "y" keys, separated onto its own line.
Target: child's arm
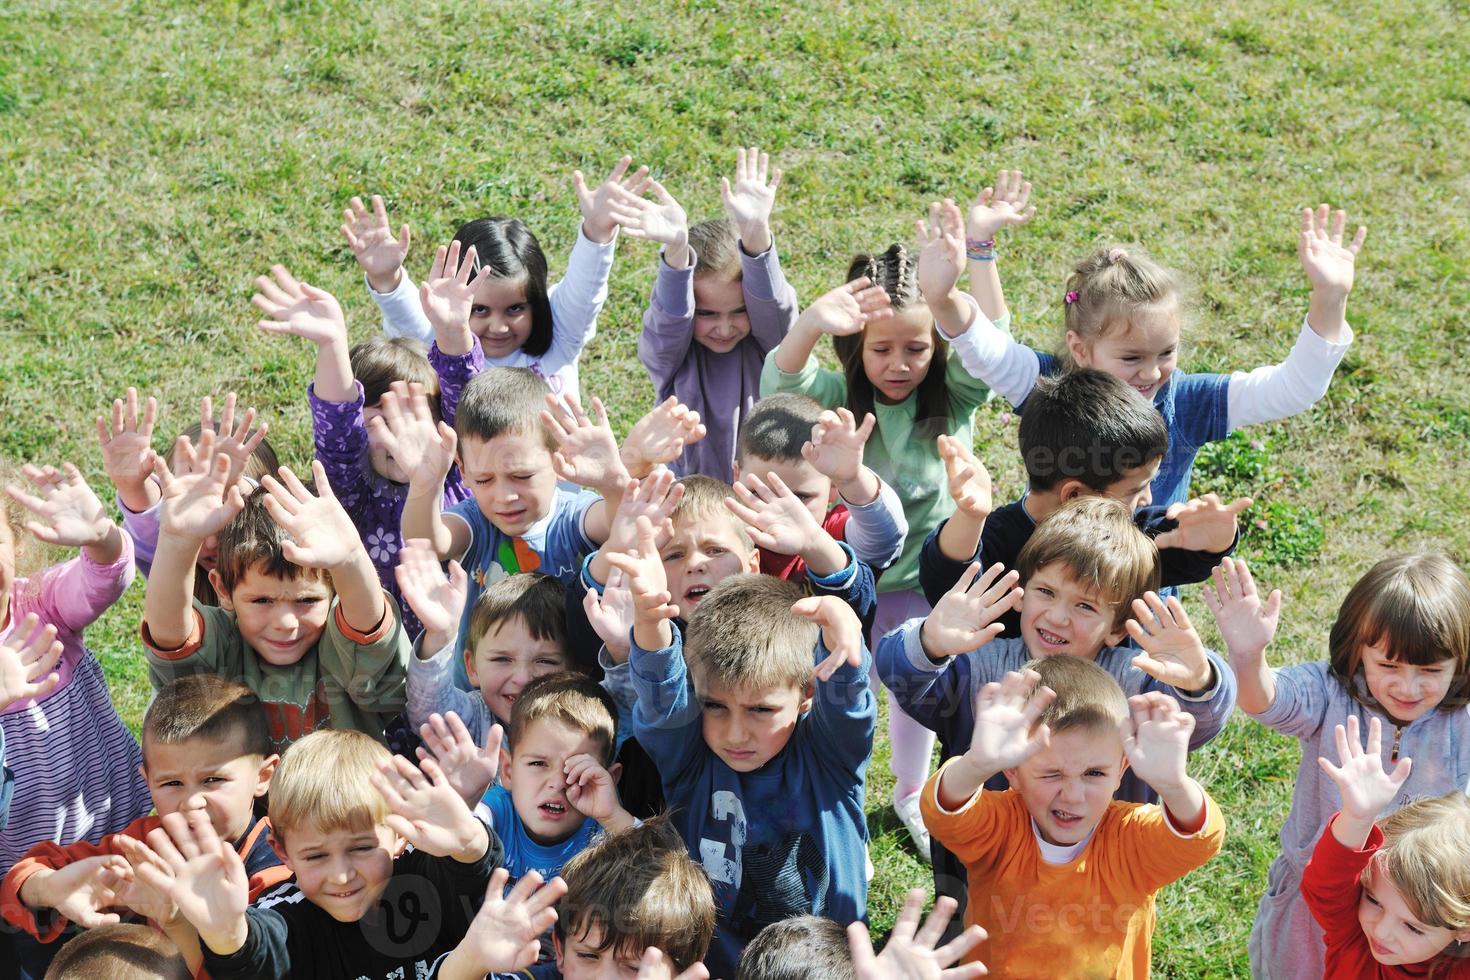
{"x": 610, "y": 614}
{"x": 127, "y": 451}
{"x": 425, "y": 450}
{"x": 660, "y": 437}
{"x": 778, "y": 521}
{"x": 1192, "y": 537}
{"x": 438, "y": 602}
{"x": 428, "y": 813}
{"x": 1282, "y": 390}
{"x": 838, "y": 312}
{"x": 1005, "y": 716}
{"x": 381, "y": 256}
{"x": 969, "y": 485}
{"x": 1002, "y": 206}
{"x": 968, "y": 616}
{"x": 73, "y": 516}
{"x": 208, "y": 883}
{"x": 587, "y": 455}
{"x": 911, "y": 953}
{"x": 1366, "y": 790}
{"x": 470, "y": 768}
{"x": 505, "y": 933}
{"x": 770, "y": 302}
{"x": 844, "y": 711}
{"x": 941, "y": 260}
{"x": 152, "y": 902}
{"x": 447, "y": 296}
{"x": 594, "y": 792}
{"x": 876, "y": 527}
{"x": 648, "y": 585}
{"x": 1173, "y": 653}
{"x": 298, "y": 309}
{"x": 652, "y": 498}
{"x": 1247, "y": 627}
{"x": 322, "y": 536}
{"x": 1156, "y": 742}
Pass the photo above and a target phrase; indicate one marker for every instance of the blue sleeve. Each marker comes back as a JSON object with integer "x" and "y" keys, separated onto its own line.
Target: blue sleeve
{"x": 854, "y": 585}
{"x": 481, "y": 533}
{"x": 1303, "y": 697}
{"x": 666, "y": 719}
{"x": 566, "y": 542}
{"x": 938, "y": 696}
{"x": 1201, "y": 408}
{"x": 938, "y": 573}
{"x": 844, "y": 714}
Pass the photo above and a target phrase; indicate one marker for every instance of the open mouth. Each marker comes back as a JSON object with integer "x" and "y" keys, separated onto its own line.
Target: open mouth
{"x": 553, "y": 811}
{"x": 1064, "y": 818}
{"x": 1049, "y": 638}
{"x": 696, "y": 592}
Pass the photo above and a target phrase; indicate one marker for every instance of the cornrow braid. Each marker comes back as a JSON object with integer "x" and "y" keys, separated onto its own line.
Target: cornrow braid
{"x": 896, "y": 270}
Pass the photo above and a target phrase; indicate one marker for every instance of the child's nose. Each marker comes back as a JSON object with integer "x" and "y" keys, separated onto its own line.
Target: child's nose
{"x": 195, "y": 801}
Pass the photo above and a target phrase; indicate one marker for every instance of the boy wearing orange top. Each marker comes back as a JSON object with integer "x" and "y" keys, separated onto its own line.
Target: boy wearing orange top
{"x": 1061, "y": 875}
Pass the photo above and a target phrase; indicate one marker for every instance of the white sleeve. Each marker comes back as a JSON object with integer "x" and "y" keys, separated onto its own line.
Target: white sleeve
{"x": 989, "y": 353}
{"x": 877, "y": 530}
{"x": 403, "y": 316}
{"x": 577, "y": 299}
{"x": 1279, "y": 391}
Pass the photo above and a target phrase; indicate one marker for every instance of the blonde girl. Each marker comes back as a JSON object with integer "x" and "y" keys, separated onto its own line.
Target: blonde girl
{"x": 1398, "y": 656}
{"x": 1124, "y": 313}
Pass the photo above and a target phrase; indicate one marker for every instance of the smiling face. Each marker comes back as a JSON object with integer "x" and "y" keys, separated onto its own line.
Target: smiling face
{"x": 343, "y": 872}
{"x": 500, "y": 315}
{"x": 534, "y": 771}
{"x": 1395, "y": 936}
{"x": 212, "y": 775}
{"x": 748, "y": 727}
{"x": 897, "y": 353}
{"x": 279, "y": 618}
{"x": 1062, "y": 615}
{"x": 1068, "y": 785}
{"x": 720, "y": 320}
{"x": 1141, "y": 354}
{"x": 703, "y": 551}
{"x": 511, "y": 479}
{"x": 507, "y": 658}
{"x": 1406, "y": 691}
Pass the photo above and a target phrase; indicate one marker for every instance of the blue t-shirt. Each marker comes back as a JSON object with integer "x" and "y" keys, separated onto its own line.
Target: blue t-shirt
{"x": 522, "y": 854}
{"x": 1196, "y": 411}
{"x": 557, "y": 541}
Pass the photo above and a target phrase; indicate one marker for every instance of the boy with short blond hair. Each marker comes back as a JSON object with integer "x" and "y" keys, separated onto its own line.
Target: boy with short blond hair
{"x": 312, "y": 658}
{"x": 1062, "y": 876}
{"x": 764, "y": 768}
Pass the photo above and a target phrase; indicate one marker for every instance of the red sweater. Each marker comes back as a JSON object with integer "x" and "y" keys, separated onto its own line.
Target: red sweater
{"x": 792, "y": 568}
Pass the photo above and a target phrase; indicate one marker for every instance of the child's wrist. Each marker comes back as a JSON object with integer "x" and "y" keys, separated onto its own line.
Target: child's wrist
{"x": 228, "y": 940}
{"x": 755, "y": 238}
{"x": 598, "y": 232}
{"x": 980, "y": 247}
{"x": 936, "y": 652}
{"x": 385, "y": 284}
{"x": 862, "y": 489}
{"x": 475, "y": 840}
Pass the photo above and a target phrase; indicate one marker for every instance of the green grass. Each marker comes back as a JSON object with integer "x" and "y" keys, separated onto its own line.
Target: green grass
{"x": 159, "y": 156}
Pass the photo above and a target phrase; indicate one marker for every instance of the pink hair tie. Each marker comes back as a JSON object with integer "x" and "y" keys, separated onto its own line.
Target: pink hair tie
{"x": 1072, "y": 297}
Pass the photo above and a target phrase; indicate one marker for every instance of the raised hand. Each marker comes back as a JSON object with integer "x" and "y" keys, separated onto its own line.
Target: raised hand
{"x": 298, "y": 309}
{"x": 660, "y": 437}
{"x": 435, "y": 598}
{"x": 1328, "y": 263}
{"x": 942, "y": 250}
{"x": 127, "y": 450}
{"x": 663, "y": 221}
{"x": 750, "y": 200}
{"x": 144, "y": 895}
{"x": 322, "y": 535}
{"x": 656, "y": 966}
{"x": 969, "y": 480}
{"x": 1365, "y": 788}
{"x": 911, "y": 953}
{"x": 427, "y": 811}
{"x": 28, "y": 658}
{"x": 208, "y": 884}
{"x": 201, "y": 498}
{"x": 842, "y": 632}
{"x": 1005, "y": 713}
{"x": 470, "y": 769}
{"x": 1205, "y": 523}
{"x": 654, "y": 497}
{"x": 449, "y": 293}
{"x": 587, "y": 450}
{"x": 967, "y": 616}
{"x": 407, "y": 430}
{"x": 238, "y": 442}
{"x": 1245, "y": 624}
{"x": 775, "y": 517}
{"x": 836, "y": 446}
{"x": 1173, "y": 653}
{"x": 371, "y": 239}
{"x": 846, "y": 309}
{"x": 598, "y": 223}
{"x": 81, "y": 890}
{"x": 70, "y": 514}
{"x": 505, "y": 933}
{"x": 610, "y": 612}
{"x": 648, "y": 585}
{"x": 590, "y": 788}
{"x": 1156, "y": 740}
{"x": 1002, "y": 205}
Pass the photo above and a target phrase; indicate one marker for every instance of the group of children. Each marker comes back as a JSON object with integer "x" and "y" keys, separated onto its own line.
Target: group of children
{"x": 493, "y": 694}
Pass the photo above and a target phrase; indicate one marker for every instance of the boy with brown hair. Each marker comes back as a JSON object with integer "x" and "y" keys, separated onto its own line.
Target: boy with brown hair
{"x": 314, "y": 660}
{"x": 1062, "y": 876}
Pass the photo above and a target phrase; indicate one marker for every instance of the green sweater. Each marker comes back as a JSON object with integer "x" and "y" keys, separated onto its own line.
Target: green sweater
{"x": 911, "y": 466}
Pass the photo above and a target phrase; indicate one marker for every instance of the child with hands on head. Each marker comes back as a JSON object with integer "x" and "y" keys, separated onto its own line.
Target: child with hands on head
{"x": 1124, "y": 315}
{"x": 314, "y": 658}
{"x": 517, "y": 320}
{"x": 1062, "y": 875}
{"x": 1390, "y": 897}
{"x": 720, "y": 304}
{"x": 1399, "y": 653}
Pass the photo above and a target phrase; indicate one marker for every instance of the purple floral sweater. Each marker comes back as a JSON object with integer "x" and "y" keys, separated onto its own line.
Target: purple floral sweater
{"x": 374, "y": 503}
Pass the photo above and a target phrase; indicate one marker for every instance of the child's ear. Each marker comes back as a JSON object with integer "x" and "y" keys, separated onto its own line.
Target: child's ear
{"x": 556, "y": 950}
{"x": 225, "y": 602}
{"x": 400, "y": 845}
{"x": 1072, "y": 489}
{"x": 1119, "y": 632}
{"x": 807, "y": 696}
{"x": 267, "y": 771}
{"x": 735, "y": 472}
{"x": 1010, "y": 775}
{"x": 753, "y": 563}
{"x": 615, "y": 771}
{"x": 1080, "y": 350}
{"x": 279, "y": 847}
{"x": 504, "y": 774}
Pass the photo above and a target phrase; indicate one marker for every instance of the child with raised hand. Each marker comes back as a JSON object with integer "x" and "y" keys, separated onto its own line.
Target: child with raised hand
{"x": 518, "y": 320}
{"x": 1123, "y": 314}
{"x": 313, "y": 658}
{"x": 1063, "y": 733}
{"x": 347, "y": 394}
{"x": 1391, "y": 898}
{"x": 369, "y": 837}
{"x": 1399, "y": 652}
{"x": 129, "y": 459}
{"x": 720, "y": 304}
{"x": 893, "y": 341}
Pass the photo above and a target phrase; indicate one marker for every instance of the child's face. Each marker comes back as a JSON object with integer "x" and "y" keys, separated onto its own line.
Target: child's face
{"x": 1406, "y": 691}
{"x": 507, "y": 658}
{"x": 1395, "y": 936}
{"x": 534, "y": 771}
{"x": 1143, "y": 354}
{"x": 210, "y": 775}
{"x": 720, "y": 321}
{"x": 500, "y": 316}
{"x": 897, "y": 352}
{"x": 1062, "y": 614}
{"x": 1068, "y": 785}
{"x": 279, "y": 618}
{"x": 342, "y": 872}
{"x": 379, "y": 458}
{"x": 1134, "y": 487}
{"x": 700, "y": 555}
{"x": 813, "y": 489}
{"x": 511, "y": 478}
{"x": 747, "y": 728}
{"x": 578, "y": 958}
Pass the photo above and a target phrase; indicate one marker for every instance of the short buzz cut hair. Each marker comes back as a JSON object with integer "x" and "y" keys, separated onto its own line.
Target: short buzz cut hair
{"x": 1087, "y": 425}
{"x": 807, "y": 947}
{"x": 1086, "y": 695}
{"x": 500, "y": 400}
{"x": 1096, "y": 538}
{"x": 744, "y": 635}
{"x": 704, "y": 500}
{"x": 574, "y": 700}
{"x": 643, "y": 889}
{"x": 254, "y": 538}
{"x": 325, "y": 779}
{"x": 537, "y": 600}
{"x": 777, "y": 427}
{"x": 121, "y": 951}
{"x": 209, "y": 707}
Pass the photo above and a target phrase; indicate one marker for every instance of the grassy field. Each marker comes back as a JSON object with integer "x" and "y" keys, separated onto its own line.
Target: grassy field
{"x": 158, "y": 156}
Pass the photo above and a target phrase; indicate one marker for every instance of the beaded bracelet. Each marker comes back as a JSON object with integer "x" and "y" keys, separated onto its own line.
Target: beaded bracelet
{"x": 979, "y": 251}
